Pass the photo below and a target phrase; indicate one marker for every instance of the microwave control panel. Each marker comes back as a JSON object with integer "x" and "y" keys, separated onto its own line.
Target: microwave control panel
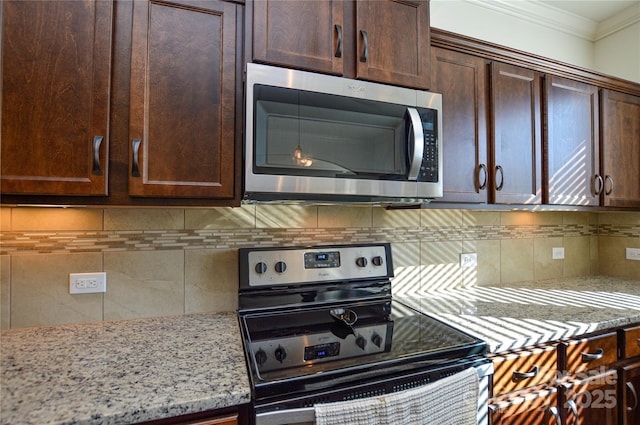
{"x": 429, "y": 167}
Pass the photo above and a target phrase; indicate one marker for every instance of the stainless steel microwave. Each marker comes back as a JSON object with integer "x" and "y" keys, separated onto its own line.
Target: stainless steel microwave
{"x": 324, "y": 139}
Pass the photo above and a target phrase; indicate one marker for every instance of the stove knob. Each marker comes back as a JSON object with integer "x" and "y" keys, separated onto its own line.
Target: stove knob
{"x": 280, "y": 354}
{"x": 261, "y": 268}
{"x": 377, "y": 260}
{"x": 376, "y": 339}
{"x": 281, "y": 267}
{"x": 261, "y": 357}
{"x": 361, "y": 262}
{"x": 361, "y": 342}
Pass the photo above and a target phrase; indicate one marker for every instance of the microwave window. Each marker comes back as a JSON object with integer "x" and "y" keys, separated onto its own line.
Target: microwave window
{"x": 315, "y": 134}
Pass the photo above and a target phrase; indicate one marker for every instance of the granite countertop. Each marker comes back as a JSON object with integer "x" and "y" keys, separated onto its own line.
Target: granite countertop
{"x": 123, "y": 371}
{"x": 516, "y": 315}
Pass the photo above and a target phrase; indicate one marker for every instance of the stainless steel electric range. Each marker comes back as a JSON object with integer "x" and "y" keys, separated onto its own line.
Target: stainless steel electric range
{"x": 320, "y": 325}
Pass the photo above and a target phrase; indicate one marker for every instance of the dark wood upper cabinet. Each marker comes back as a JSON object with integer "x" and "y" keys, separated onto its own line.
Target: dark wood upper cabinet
{"x": 462, "y": 80}
{"x": 183, "y": 99}
{"x": 517, "y": 129}
{"x": 386, "y": 41}
{"x": 56, "y": 64}
{"x": 620, "y": 129}
{"x": 573, "y": 165}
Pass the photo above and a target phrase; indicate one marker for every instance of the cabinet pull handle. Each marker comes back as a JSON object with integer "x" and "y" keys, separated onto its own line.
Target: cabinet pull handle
{"x": 635, "y": 397}
{"x": 499, "y": 169}
{"x": 135, "y": 145}
{"x": 609, "y": 179}
{"x": 97, "y": 141}
{"x": 519, "y": 376}
{"x": 598, "y": 184}
{"x": 483, "y": 185}
{"x": 638, "y": 341}
{"x": 574, "y": 409}
{"x": 339, "y": 47}
{"x": 589, "y": 357}
{"x": 553, "y": 412}
{"x": 365, "y": 50}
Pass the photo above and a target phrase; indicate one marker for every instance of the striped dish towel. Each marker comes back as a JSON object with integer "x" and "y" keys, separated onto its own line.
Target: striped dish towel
{"x": 449, "y": 401}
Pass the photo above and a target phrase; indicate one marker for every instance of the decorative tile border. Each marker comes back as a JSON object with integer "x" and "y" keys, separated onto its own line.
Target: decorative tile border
{"x": 37, "y": 242}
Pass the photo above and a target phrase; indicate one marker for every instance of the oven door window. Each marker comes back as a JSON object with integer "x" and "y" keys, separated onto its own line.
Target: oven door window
{"x": 305, "y": 133}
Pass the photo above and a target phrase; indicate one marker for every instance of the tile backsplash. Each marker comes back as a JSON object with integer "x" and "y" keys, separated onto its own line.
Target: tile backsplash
{"x": 175, "y": 261}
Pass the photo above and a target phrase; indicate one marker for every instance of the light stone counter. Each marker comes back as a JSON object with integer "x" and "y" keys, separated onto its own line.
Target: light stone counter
{"x": 123, "y": 371}
{"x": 516, "y": 315}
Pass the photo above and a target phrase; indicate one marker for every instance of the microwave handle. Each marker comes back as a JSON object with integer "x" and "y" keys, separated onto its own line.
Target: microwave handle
{"x": 415, "y": 129}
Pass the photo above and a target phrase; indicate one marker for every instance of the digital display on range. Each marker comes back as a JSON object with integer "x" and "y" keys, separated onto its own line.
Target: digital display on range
{"x": 321, "y": 351}
{"x": 321, "y": 260}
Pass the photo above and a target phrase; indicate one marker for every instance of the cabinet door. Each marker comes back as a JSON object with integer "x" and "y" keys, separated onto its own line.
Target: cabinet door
{"x": 183, "y": 80}
{"x": 572, "y": 143}
{"x": 629, "y": 390}
{"x": 56, "y": 58}
{"x": 462, "y": 81}
{"x": 301, "y": 34}
{"x": 591, "y": 401}
{"x": 393, "y": 42}
{"x": 516, "y": 135}
{"x": 621, "y": 148}
{"x": 530, "y": 408}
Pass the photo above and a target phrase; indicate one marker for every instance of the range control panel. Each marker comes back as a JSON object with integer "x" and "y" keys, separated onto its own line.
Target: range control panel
{"x": 286, "y": 266}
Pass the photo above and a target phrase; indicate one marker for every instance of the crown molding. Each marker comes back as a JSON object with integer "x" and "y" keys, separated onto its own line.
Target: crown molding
{"x": 561, "y": 20}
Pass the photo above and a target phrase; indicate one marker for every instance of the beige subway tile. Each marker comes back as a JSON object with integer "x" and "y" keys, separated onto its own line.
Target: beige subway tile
{"x": 573, "y": 217}
{"x": 488, "y": 270}
{"x": 143, "y": 219}
{"x": 344, "y": 216}
{"x": 45, "y": 219}
{"x": 220, "y": 218}
{"x": 144, "y": 284}
{"x": 516, "y": 260}
{"x": 211, "y": 280}
{"x": 577, "y": 256}
{"x": 286, "y": 217}
{"x": 612, "y": 256}
{"x": 514, "y": 218}
{"x": 545, "y": 267}
{"x": 40, "y": 290}
{"x": 406, "y": 267}
{"x": 5, "y": 291}
{"x": 5, "y": 219}
{"x": 383, "y": 217}
{"x": 480, "y": 218}
{"x": 546, "y": 218}
{"x": 441, "y": 265}
{"x": 619, "y": 218}
{"x": 440, "y": 218}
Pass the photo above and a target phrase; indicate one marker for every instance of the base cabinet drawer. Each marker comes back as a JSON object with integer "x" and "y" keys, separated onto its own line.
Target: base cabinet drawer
{"x": 591, "y": 401}
{"x": 590, "y": 353}
{"x": 526, "y": 368}
{"x": 629, "y": 342}
{"x": 537, "y": 407}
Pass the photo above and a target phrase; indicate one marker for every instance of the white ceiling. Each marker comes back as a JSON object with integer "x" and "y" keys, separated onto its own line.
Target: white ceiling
{"x": 595, "y": 10}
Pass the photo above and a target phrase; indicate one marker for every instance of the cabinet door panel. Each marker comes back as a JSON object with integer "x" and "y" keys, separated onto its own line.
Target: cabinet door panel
{"x": 621, "y": 148}
{"x": 629, "y": 390}
{"x": 183, "y": 80}
{"x": 56, "y": 58}
{"x": 393, "y": 42}
{"x": 572, "y": 142}
{"x": 591, "y": 401}
{"x": 301, "y": 34}
{"x": 517, "y": 127}
{"x": 462, "y": 80}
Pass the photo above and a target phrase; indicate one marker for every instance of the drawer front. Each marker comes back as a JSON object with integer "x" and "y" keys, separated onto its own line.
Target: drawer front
{"x": 523, "y": 369}
{"x": 631, "y": 342}
{"x": 592, "y": 352}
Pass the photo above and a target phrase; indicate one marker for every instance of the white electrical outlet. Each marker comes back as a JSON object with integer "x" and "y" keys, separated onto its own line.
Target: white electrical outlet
{"x": 633, "y": 254}
{"x": 87, "y": 283}
{"x": 557, "y": 253}
{"x": 469, "y": 259}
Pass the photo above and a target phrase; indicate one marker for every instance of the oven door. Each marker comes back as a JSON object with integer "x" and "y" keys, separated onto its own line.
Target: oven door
{"x": 306, "y": 415}
{"x": 311, "y": 135}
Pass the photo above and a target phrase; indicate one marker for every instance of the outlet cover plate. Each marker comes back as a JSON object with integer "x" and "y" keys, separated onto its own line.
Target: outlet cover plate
{"x": 87, "y": 283}
{"x": 557, "y": 253}
{"x": 469, "y": 259}
{"x": 633, "y": 254}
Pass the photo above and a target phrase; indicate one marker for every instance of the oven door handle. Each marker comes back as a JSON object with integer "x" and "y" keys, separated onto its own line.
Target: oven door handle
{"x": 290, "y": 416}
{"x": 415, "y": 136}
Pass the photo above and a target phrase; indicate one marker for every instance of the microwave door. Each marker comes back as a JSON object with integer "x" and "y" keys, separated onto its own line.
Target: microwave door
{"x": 415, "y": 140}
